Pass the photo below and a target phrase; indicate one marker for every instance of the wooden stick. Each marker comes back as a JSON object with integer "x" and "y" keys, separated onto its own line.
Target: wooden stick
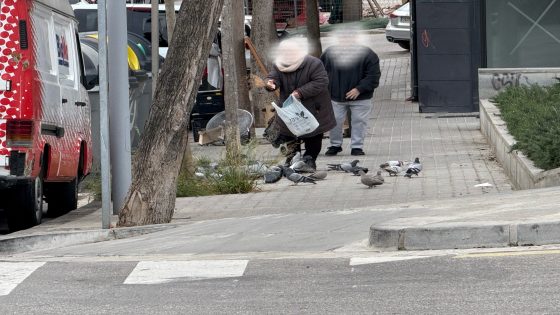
{"x": 258, "y": 59}
{"x": 373, "y": 10}
{"x": 378, "y": 6}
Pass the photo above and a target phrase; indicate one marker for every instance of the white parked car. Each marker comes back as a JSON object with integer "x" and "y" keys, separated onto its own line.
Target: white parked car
{"x": 398, "y": 29}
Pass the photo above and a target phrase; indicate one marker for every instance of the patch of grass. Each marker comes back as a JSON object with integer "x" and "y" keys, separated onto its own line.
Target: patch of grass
{"x": 532, "y": 115}
{"x": 193, "y": 187}
{"x": 203, "y": 162}
{"x": 234, "y": 180}
{"x": 92, "y": 184}
{"x": 231, "y": 175}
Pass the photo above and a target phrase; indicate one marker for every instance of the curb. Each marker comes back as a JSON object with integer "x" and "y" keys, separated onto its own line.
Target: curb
{"x": 462, "y": 235}
{"x": 20, "y": 244}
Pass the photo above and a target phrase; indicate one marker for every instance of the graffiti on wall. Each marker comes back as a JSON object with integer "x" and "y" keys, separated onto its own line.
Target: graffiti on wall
{"x": 491, "y": 81}
{"x": 504, "y": 80}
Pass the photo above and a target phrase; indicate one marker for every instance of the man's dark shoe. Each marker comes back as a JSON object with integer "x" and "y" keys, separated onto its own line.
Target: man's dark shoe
{"x": 357, "y": 151}
{"x": 333, "y": 150}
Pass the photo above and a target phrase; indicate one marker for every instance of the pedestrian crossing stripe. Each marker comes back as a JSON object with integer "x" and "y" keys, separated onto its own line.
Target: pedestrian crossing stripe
{"x": 155, "y": 272}
{"x": 14, "y": 273}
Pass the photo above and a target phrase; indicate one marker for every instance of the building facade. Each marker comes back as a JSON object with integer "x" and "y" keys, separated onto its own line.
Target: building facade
{"x": 452, "y": 39}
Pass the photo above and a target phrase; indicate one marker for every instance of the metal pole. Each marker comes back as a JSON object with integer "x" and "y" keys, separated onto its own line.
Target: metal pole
{"x": 119, "y": 123}
{"x": 155, "y": 45}
{"x": 103, "y": 121}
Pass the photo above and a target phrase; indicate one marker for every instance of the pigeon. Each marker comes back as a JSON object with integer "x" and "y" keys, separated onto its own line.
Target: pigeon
{"x": 318, "y": 175}
{"x": 307, "y": 165}
{"x": 298, "y": 166}
{"x": 345, "y": 167}
{"x": 356, "y": 170}
{"x": 413, "y": 168}
{"x": 273, "y": 175}
{"x": 257, "y": 168}
{"x": 392, "y": 167}
{"x": 296, "y": 177}
{"x": 371, "y": 180}
{"x": 297, "y": 158}
{"x": 276, "y": 168}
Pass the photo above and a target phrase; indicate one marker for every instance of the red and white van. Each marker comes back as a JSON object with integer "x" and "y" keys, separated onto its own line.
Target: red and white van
{"x": 45, "y": 146}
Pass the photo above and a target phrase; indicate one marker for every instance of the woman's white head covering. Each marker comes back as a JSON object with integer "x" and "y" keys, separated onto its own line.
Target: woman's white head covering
{"x": 290, "y": 54}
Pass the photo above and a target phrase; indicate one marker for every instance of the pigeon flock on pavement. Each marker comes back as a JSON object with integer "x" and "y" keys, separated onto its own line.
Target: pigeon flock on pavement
{"x": 295, "y": 172}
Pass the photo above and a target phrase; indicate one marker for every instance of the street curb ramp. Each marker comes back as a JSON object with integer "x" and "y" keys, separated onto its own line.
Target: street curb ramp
{"x": 463, "y": 235}
{"x": 24, "y": 243}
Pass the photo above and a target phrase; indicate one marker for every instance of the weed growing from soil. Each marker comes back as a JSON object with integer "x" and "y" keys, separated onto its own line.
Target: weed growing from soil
{"x": 230, "y": 175}
{"x": 92, "y": 184}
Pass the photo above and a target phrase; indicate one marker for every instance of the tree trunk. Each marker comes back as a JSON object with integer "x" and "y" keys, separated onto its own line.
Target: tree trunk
{"x": 154, "y": 20}
{"x": 170, "y": 17}
{"x": 236, "y": 94}
{"x": 187, "y": 166}
{"x": 313, "y": 31}
{"x": 264, "y": 37}
{"x": 151, "y": 198}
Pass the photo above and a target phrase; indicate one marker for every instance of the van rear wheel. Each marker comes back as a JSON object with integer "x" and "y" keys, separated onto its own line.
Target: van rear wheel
{"x": 62, "y": 197}
{"x": 26, "y": 208}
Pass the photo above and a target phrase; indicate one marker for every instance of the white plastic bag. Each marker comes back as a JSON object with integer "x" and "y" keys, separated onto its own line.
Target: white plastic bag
{"x": 296, "y": 117}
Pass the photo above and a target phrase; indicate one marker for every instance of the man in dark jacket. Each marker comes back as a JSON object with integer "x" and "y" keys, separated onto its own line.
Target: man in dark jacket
{"x": 303, "y": 76}
{"x": 353, "y": 76}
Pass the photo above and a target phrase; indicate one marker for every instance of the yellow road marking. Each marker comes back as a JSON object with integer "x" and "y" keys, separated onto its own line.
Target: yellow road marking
{"x": 507, "y": 254}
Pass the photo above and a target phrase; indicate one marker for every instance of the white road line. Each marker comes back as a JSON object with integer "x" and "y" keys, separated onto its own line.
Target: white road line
{"x": 356, "y": 261}
{"x": 154, "y": 272}
{"x": 13, "y": 273}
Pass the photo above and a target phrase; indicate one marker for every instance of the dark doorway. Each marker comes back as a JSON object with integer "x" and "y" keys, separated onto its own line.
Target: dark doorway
{"x": 448, "y": 54}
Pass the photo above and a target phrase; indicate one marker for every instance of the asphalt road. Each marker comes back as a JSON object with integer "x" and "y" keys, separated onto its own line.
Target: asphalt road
{"x": 525, "y": 283}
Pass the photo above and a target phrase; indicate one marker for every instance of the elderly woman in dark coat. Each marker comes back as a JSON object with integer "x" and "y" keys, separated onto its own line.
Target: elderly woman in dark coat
{"x": 303, "y": 76}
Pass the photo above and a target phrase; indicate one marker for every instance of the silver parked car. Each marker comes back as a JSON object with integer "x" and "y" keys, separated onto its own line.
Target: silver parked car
{"x": 398, "y": 29}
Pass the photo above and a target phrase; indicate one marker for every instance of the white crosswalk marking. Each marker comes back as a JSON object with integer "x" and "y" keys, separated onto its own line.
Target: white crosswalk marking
{"x": 13, "y": 273}
{"x": 356, "y": 261}
{"x": 153, "y": 272}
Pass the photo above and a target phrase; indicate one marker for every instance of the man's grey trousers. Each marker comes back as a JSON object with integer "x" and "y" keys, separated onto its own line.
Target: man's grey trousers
{"x": 360, "y": 111}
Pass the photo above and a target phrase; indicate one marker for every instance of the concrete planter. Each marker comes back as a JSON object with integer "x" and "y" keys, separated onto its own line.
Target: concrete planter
{"x": 521, "y": 171}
